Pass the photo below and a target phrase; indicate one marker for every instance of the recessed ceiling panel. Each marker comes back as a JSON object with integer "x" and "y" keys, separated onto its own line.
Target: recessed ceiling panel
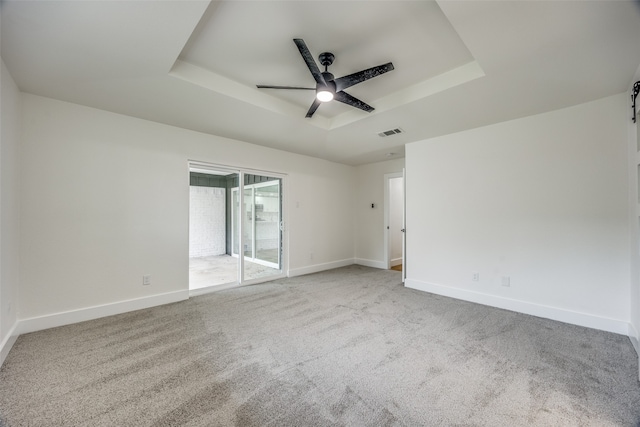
{"x": 251, "y": 42}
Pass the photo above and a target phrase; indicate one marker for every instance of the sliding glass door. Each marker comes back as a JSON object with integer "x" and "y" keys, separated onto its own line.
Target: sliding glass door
{"x": 267, "y": 250}
{"x": 254, "y": 224}
{"x": 261, "y": 226}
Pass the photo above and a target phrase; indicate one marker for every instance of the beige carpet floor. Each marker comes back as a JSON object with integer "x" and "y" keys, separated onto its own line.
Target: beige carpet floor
{"x": 346, "y": 347}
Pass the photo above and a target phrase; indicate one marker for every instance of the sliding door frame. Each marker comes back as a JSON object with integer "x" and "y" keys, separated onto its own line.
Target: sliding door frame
{"x": 204, "y": 167}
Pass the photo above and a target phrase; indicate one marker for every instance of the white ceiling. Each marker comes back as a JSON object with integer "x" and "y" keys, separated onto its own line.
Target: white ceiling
{"x": 195, "y": 64}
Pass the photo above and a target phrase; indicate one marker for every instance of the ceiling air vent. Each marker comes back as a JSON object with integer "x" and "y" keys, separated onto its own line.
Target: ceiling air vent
{"x": 390, "y": 132}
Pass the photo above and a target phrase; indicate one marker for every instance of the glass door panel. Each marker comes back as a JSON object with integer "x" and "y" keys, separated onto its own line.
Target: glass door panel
{"x": 257, "y": 217}
{"x": 267, "y": 231}
{"x": 263, "y": 241}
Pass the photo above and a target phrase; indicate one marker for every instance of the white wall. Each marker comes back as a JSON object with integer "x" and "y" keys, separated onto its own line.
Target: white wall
{"x": 9, "y": 208}
{"x": 396, "y": 210}
{"x": 634, "y": 218}
{"x": 542, "y": 200}
{"x": 369, "y": 223}
{"x": 207, "y": 221}
{"x": 105, "y": 200}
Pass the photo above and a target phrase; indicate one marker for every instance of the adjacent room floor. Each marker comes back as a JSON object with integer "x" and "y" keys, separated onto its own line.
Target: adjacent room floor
{"x": 222, "y": 269}
{"x": 397, "y": 267}
{"x": 345, "y": 347}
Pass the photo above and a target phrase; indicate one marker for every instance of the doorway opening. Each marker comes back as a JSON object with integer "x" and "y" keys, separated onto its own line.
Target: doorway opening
{"x": 394, "y": 221}
{"x": 234, "y": 240}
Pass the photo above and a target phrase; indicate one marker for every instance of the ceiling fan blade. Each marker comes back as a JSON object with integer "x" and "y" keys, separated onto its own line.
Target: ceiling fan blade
{"x": 308, "y": 59}
{"x": 284, "y": 87}
{"x": 360, "y": 76}
{"x": 313, "y": 108}
{"x": 345, "y": 98}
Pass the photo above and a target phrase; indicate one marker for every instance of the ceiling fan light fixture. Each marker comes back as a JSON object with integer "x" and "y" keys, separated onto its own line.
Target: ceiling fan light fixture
{"x": 324, "y": 95}
{"x": 329, "y": 88}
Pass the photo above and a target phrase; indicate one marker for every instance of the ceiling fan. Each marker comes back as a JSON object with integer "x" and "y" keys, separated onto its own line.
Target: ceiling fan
{"x": 328, "y": 87}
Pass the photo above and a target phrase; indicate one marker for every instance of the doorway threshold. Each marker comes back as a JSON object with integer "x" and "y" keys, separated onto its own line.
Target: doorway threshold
{"x": 213, "y": 288}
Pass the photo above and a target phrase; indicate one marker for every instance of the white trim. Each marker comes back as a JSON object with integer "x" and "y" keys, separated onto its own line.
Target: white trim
{"x": 320, "y": 267}
{"x": 75, "y": 316}
{"x": 371, "y": 263}
{"x": 553, "y": 313}
{"x": 7, "y": 343}
{"x": 634, "y": 337}
{"x": 396, "y": 261}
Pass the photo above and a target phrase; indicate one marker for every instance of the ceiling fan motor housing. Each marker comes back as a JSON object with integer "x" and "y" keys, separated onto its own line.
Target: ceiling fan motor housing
{"x": 326, "y": 59}
{"x": 329, "y": 86}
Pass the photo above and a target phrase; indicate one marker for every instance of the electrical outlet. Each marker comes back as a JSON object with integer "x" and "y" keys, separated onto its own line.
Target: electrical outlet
{"x": 476, "y": 276}
{"x": 146, "y": 279}
{"x": 506, "y": 281}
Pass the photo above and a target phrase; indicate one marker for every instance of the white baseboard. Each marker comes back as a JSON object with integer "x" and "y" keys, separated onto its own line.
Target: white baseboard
{"x": 371, "y": 263}
{"x": 75, "y": 316}
{"x": 396, "y": 261}
{"x": 635, "y": 338}
{"x": 320, "y": 267}
{"x": 553, "y": 313}
{"x": 7, "y": 343}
